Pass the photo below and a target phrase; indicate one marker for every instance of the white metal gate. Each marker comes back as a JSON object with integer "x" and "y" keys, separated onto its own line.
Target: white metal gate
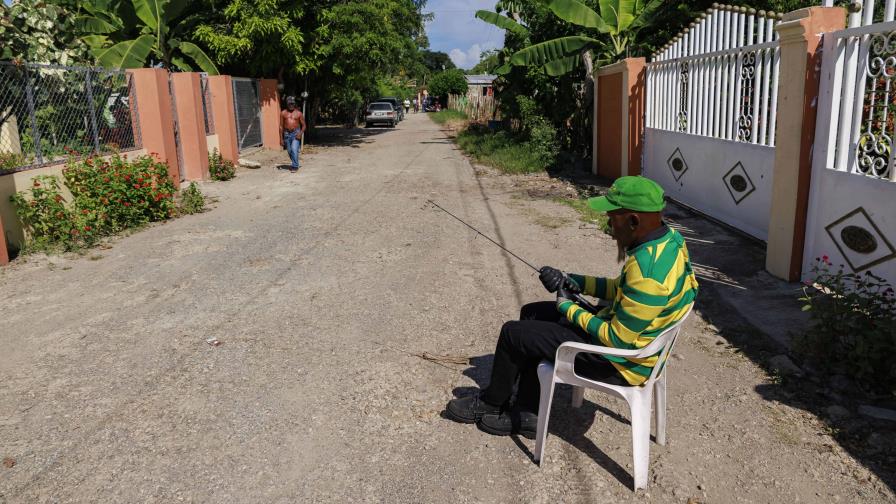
{"x": 710, "y": 116}
{"x": 852, "y": 201}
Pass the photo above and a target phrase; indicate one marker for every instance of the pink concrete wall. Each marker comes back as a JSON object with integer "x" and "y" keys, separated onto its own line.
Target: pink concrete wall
{"x": 221, "y": 88}
{"x": 607, "y": 129}
{"x": 4, "y": 253}
{"x": 191, "y": 125}
{"x": 156, "y": 117}
{"x": 270, "y": 114}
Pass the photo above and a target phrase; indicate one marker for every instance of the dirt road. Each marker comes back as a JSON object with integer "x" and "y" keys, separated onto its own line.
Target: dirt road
{"x": 326, "y": 287}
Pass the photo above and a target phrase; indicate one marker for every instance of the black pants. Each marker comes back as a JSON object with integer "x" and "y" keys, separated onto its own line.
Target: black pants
{"x": 524, "y": 343}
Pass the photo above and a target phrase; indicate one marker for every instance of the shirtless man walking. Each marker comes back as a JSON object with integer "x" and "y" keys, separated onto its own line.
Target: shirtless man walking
{"x": 293, "y": 124}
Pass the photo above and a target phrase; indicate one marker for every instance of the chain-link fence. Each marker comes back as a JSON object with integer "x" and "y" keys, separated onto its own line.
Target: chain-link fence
{"x": 248, "y": 112}
{"x": 207, "y": 114}
{"x": 51, "y": 112}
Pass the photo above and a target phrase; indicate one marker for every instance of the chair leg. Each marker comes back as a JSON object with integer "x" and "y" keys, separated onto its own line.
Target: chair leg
{"x": 578, "y": 395}
{"x": 546, "y": 379}
{"x": 640, "y": 406}
{"x": 660, "y": 398}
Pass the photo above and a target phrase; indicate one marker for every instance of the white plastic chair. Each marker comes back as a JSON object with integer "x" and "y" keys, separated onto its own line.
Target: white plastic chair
{"x": 638, "y": 398}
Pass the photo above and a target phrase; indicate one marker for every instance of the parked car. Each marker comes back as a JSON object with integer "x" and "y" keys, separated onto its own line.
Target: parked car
{"x": 396, "y": 104}
{"x": 380, "y": 113}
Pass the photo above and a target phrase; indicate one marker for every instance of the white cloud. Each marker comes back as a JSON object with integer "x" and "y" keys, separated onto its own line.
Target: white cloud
{"x": 468, "y": 59}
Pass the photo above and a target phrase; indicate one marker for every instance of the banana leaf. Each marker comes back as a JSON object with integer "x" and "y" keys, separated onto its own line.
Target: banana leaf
{"x": 502, "y": 22}
{"x": 127, "y": 54}
{"x": 577, "y": 13}
{"x": 562, "y": 66}
{"x": 199, "y": 57}
{"x": 540, "y": 54}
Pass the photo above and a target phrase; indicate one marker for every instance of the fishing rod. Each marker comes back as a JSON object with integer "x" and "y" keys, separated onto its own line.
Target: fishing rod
{"x": 577, "y": 297}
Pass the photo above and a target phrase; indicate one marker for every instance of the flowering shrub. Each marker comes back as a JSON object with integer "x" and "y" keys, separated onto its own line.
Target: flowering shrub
{"x": 220, "y": 168}
{"x": 853, "y": 329}
{"x": 109, "y": 195}
{"x": 45, "y": 214}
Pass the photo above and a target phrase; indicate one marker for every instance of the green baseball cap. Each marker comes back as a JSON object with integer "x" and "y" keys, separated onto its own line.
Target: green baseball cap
{"x": 633, "y": 193}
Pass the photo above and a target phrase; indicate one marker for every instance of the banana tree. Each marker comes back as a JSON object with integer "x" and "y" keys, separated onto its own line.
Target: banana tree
{"x": 616, "y": 25}
{"x": 131, "y": 33}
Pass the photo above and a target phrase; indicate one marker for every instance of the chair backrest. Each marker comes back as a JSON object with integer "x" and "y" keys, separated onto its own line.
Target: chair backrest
{"x": 663, "y": 344}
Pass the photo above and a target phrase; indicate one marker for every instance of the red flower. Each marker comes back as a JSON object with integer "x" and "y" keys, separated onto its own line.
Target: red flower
{"x": 127, "y": 204}
{"x": 106, "y": 179}
{"x": 825, "y": 258}
{"x": 127, "y": 177}
{"x": 136, "y": 186}
{"x": 84, "y": 212}
{"x": 87, "y": 228}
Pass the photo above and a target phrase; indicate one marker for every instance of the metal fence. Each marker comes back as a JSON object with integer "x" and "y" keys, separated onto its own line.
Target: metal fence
{"x": 248, "y": 112}
{"x": 51, "y": 112}
{"x": 718, "y": 78}
{"x": 207, "y": 114}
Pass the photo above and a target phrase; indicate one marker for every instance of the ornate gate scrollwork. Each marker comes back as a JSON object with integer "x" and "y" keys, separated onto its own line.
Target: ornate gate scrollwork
{"x": 878, "y": 108}
{"x": 684, "y": 73}
{"x": 745, "y": 109}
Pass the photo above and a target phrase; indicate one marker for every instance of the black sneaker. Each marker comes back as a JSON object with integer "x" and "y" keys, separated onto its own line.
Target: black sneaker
{"x": 469, "y": 409}
{"x": 510, "y": 422}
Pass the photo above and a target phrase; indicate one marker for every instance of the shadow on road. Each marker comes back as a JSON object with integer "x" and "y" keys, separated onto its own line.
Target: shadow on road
{"x": 338, "y": 136}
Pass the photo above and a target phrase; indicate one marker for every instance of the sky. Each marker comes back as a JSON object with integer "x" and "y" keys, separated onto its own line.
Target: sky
{"x": 457, "y": 32}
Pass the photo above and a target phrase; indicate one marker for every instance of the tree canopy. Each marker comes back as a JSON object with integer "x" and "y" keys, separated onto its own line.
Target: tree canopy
{"x": 448, "y": 82}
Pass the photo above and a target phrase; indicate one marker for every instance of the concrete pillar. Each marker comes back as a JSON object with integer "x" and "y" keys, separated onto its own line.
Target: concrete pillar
{"x": 800, "y": 38}
{"x": 271, "y": 137}
{"x": 221, "y": 87}
{"x": 156, "y": 117}
{"x": 191, "y": 124}
{"x": 4, "y": 252}
{"x": 619, "y": 118}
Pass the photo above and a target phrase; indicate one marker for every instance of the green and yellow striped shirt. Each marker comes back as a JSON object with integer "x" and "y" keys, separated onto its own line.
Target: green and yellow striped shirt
{"x": 655, "y": 290}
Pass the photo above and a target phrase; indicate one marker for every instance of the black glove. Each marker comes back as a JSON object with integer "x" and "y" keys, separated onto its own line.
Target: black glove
{"x": 551, "y": 278}
{"x": 564, "y": 294}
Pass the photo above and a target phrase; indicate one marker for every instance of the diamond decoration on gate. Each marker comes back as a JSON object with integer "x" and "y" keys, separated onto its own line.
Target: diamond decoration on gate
{"x": 738, "y": 182}
{"x": 677, "y": 164}
{"x": 860, "y": 241}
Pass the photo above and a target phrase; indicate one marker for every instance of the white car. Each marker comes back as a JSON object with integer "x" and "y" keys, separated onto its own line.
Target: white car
{"x": 380, "y": 112}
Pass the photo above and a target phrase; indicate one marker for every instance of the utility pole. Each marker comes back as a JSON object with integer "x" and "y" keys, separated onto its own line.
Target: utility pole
{"x": 304, "y": 101}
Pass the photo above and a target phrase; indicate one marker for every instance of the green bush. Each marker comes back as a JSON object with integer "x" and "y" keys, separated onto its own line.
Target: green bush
{"x": 220, "y": 168}
{"x": 448, "y": 82}
{"x": 446, "y": 115}
{"x": 853, "y": 329}
{"x": 191, "y": 200}
{"x": 501, "y": 150}
{"x": 540, "y": 134}
{"x": 108, "y": 195}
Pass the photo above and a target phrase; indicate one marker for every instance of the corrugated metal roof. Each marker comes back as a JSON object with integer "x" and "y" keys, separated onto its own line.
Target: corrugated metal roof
{"x": 480, "y": 79}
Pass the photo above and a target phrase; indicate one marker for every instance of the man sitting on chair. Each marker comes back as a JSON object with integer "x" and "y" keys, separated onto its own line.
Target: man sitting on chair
{"x": 655, "y": 290}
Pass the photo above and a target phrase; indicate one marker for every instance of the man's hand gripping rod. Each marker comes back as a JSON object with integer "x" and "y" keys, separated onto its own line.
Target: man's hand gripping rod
{"x": 578, "y": 298}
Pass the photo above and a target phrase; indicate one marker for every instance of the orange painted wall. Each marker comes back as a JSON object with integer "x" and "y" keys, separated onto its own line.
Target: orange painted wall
{"x": 156, "y": 117}
{"x": 637, "y": 86}
{"x": 221, "y": 88}
{"x": 4, "y": 254}
{"x": 271, "y": 137}
{"x": 191, "y": 125}
{"x": 609, "y": 125}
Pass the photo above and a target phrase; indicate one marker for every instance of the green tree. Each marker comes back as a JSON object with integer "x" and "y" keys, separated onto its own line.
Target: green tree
{"x": 488, "y": 62}
{"x": 134, "y": 33}
{"x": 448, "y": 82}
{"x": 39, "y": 32}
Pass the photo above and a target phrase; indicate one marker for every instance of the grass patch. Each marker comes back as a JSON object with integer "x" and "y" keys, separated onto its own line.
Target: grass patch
{"x": 501, "y": 150}
{"x": 586, "y": 214}
{"x": 446, "y": 115}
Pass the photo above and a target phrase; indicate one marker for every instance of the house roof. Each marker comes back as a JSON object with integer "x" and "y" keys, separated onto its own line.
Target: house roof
{"x": 480, "y": 79}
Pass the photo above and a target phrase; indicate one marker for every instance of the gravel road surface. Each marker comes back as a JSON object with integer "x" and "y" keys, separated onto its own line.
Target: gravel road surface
{"x": 327, "y": 290}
